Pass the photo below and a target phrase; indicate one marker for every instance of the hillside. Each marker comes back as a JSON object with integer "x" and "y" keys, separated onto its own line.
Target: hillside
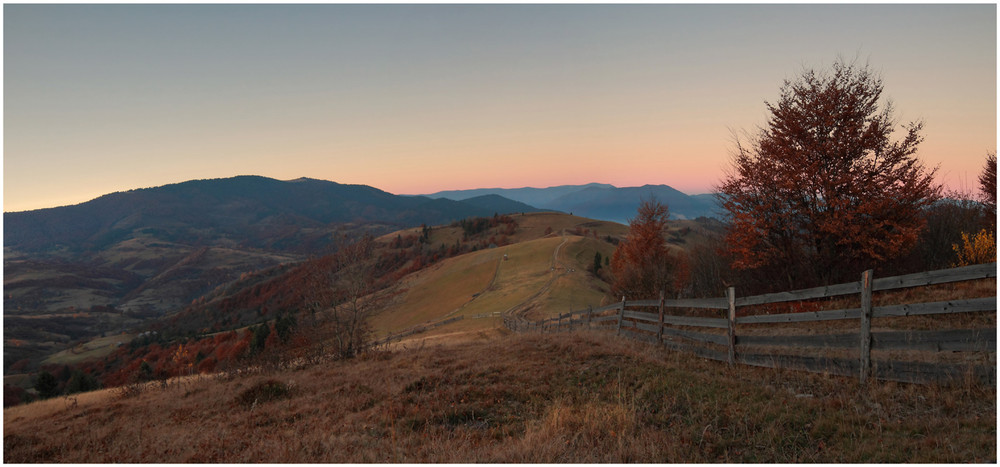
{"x": 79, "y": 272}
{"x": 562, "y": 398}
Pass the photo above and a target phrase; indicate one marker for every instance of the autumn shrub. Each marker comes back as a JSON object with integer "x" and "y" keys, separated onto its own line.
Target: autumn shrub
{"x": 260, "y": 393}
{"x": 979, "y": 249}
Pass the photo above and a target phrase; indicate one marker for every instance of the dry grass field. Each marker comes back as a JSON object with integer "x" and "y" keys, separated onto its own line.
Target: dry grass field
{"x": 572, "y": 397}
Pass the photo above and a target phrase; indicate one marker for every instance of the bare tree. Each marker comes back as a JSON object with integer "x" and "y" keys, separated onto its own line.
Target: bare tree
{"x": 344, "y": 290}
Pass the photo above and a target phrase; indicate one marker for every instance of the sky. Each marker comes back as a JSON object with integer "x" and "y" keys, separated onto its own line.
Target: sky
{"x": 417, "y": 99}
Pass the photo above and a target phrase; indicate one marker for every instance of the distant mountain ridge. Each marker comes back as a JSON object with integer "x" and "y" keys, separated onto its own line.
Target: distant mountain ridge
{"x": 600, "y": 201}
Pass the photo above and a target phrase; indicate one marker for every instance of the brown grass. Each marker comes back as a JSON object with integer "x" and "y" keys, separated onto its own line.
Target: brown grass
{"x": 579, "y": 397}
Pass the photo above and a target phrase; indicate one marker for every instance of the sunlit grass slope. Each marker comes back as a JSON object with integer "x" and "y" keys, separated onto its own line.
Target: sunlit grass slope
{"x": 543, "y": 272}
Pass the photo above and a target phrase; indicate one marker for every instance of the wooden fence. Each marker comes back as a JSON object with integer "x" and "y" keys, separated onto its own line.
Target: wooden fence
{"x": 722, "y": 331}
{"x": 415, "y": 330}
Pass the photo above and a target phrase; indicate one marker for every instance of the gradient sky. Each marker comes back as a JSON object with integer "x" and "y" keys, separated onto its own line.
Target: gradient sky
{"x": 418, "y": 99}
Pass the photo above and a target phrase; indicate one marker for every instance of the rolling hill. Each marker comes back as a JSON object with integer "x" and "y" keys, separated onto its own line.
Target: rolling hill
{"x": 76, "y": 272}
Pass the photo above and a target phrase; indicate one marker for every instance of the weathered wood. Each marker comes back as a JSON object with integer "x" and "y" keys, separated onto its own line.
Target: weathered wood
{"x": 621, "y": 315}
{"x": 922, "y": 372}
{"x": 950, "y": 306}
{"x": 659, "y": 329}
{"x": 973, "y": 340}
{"x": 836, "y": 366}
{"x": 678, "y": 320}
{"x": 639, "y": 336}
{"x": 708, "y": 303}
{"x": 696, "y": 336}
{"x": 613, "y": 306}
{"x": 644, "y": 326}
{"x": 866, "y": 325}
{"x": 703, "y": 352}
{"x": 843, "y": 341}
{"x": 977, "y": 271}
{"x": 804, "y": 294}
{"x": 719, "y": 323}
{"x": 731, "y": 299}
{"x": 605, "y": 318}
{"x": 640, "y": 315}
{"x": 828, "y": 315}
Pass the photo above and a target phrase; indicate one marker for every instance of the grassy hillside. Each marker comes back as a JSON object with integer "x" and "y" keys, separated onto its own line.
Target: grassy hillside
{"x": 543, "y": 273}
{"x": 580, "y": 398}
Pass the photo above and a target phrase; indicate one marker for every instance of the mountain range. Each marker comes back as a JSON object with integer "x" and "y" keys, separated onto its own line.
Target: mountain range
{"x": 599, "y": 201}
{"x": 246, "y": 211}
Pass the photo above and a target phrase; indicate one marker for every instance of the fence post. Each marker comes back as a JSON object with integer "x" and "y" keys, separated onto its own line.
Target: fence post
{"x": 866, "y": 325}
{"x": 558, "y": 322}
{"x": 621, "y": 315}
{"x": 590, "y": 315}
{"x": 731, "y": 296}
{"x": 659, "y": 330}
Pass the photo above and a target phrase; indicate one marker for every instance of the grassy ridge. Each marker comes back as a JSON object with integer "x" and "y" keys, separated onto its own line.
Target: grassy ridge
{"x": 525, "y": 398}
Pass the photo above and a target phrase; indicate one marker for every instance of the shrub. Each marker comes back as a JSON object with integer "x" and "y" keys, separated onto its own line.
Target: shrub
{"x": 980, "y": 249}
{"x": 260, "y": 393}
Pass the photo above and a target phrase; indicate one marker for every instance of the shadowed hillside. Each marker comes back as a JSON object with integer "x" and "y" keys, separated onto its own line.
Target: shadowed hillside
{"x": 564, "y": 398}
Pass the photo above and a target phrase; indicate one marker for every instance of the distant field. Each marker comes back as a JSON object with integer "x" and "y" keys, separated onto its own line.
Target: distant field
{"x": 96, "y": 348}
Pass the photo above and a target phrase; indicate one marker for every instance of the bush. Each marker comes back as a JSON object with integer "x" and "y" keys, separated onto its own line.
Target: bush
{"x": 260, "y": 393}
{"x": 980, "y": 249}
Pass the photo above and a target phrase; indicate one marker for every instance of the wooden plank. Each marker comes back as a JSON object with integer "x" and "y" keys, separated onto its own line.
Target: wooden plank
{"x": 804, "y": 294}
{"x": 866, "y": 325}
{"x": 718, "y": 303}
{"x": 973, "y": 340}
{"x": 621, "y": 314}
{"x": 639, "y": 336}
{"x": 659, "y": 329}
{"x": 951, "y": 306}
{"x": 921, "y": 372}
{"x": 836, "y": 366}
{"x": 731, "y": 333}
{"x": 697, "y": 336}
{"x": 639, "y": 315}
{"x": 613, "y": 306}
{"x": 703, "y": 352}
{"x": 645, "y": 327}
{"x": 828, "y": 315}
{"x": 605, "y": 318}
{"x": 977, "y": 271}
{"x": 720, "y": 323}
{"x": 847, "y": 340}
{"x": 708, "y": 303}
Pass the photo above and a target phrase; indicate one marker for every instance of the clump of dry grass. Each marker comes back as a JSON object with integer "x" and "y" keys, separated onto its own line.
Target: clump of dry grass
{"x": 573, "y": 397}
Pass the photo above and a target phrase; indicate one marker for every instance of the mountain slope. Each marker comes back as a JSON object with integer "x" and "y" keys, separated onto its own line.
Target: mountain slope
{"x": 248, "y": 210}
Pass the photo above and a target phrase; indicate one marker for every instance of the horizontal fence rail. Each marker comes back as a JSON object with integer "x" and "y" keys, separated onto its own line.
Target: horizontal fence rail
{"x": 720, "y": 338}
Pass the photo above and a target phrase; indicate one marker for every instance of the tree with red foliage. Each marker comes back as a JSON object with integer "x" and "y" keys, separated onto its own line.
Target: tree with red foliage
{"x": 642, "y": 265}
{"x": 822, "y": 192}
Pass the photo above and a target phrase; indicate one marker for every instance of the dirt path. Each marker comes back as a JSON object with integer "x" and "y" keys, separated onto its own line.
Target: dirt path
{"x": 520, "y": 309}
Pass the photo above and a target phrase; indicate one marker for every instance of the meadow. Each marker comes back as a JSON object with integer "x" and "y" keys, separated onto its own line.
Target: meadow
{"x": 577, "y": 397}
